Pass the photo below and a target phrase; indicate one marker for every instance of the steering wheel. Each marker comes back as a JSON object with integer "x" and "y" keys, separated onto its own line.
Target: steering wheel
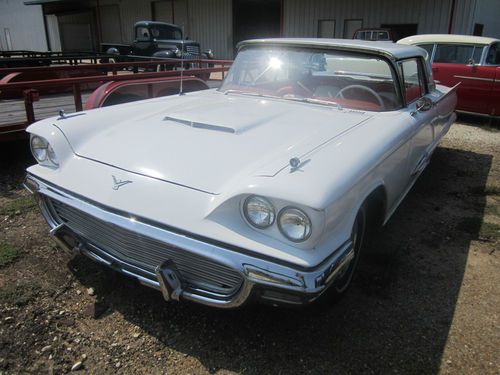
{"x": 380, "y": 102}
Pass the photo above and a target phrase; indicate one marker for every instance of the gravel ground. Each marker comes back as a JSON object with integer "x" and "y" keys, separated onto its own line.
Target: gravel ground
{"x": 425, "y": 301}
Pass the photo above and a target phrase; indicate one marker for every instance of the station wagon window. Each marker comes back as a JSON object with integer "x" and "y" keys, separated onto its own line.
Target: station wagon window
{"x": 493, "y": 57}
{"x": 457, "y": 53}
{"x": 411, "y": 72}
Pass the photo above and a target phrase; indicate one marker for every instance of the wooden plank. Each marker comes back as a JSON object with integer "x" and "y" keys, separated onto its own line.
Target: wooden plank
{"x": 13, "y": 111}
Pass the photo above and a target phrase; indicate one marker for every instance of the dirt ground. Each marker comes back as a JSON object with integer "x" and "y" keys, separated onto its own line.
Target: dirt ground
{"x": 427, "y": 301}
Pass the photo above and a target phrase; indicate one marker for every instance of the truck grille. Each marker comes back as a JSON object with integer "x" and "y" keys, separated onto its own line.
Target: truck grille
{"x": 193, "y": 50}
{"x": 147, "y": 253}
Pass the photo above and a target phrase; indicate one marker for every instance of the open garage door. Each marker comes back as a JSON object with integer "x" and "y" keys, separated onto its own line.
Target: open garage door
{"x": 111, "y": 24}
{"x": 256, "y": 19}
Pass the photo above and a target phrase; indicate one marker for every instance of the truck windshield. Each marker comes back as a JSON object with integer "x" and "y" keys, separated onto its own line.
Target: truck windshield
{"x": 351, "y": 80}
{"x": 158, "y": 32}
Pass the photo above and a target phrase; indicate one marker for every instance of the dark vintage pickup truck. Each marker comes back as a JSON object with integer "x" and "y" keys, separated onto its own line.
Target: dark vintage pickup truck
{"x": 157, "y": 39}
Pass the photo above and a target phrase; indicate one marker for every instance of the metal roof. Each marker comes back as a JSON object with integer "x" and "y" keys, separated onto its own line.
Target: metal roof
{"x": 447, "y": 38}
{"x": 387, "y": 49}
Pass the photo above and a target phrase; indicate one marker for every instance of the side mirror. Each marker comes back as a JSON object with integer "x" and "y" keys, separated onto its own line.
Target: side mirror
{"x": 471, "y": 62}
{"x": 424, "y": 104}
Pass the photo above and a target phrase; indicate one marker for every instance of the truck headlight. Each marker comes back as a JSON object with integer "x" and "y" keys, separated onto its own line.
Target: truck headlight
{"x": 43, "y": 152}
{"x": 259, "y": 212}
{"x": 178, "y": 52}
{"x": 294, "y": 224}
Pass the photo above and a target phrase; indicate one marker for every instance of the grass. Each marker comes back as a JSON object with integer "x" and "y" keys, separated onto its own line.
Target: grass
{"x": 492, "y": 190}
{"x": 8, "y": 254}
{"x": 19, "y": 295}
{"x": 486, "y": 190}
{"x": 483, "y": 229}
{"x": 18, "y": 206}
{"x": 490, "y": 231}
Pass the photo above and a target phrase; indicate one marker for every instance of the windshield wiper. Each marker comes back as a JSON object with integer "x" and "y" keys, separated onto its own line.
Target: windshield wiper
{"x": 312, "y": 100}
{"x": 232, "y": 91}
{"x": 286, "y": 97}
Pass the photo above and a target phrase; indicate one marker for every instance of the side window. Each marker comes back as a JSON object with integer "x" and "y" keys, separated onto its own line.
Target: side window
{"x": 478, "y": 52}
{"x": 493, "y": 57}
{"x": 428, "y": 48}
{"x": 382, "y": 35}
{"x": 412, "y": 74}
{"x": 457, "y": 53}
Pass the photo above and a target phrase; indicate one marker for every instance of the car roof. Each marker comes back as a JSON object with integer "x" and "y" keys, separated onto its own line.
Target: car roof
{"x": 447, "y": 38}
{"x": 372, "y": 29}
{"x": 152, "y": 23}
{"x": 388, "y": 49}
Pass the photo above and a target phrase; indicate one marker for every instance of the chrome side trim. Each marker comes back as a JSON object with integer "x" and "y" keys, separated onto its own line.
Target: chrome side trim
{"x": 476, "y": 78}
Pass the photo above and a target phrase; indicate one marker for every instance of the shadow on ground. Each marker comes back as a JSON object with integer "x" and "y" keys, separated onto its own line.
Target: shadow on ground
{"x": 395, "y": 318}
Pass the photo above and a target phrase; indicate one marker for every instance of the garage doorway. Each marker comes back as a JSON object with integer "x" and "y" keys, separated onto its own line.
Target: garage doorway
{"x": 256, "y": 19}
{"x": 77, "y": 31}
{"x": 401, "y": 30}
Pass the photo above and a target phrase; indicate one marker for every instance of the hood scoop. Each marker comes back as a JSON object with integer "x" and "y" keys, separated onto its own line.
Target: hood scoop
{"x": 201, "y": 125}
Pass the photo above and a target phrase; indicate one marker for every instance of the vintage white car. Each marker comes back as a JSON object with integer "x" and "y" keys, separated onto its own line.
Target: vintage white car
{"x": 262, "y": 189}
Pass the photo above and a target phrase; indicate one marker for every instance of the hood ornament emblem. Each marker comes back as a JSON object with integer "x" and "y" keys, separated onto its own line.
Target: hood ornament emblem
{"x": 119, "y": 183}
{"x": 296, "y": 164}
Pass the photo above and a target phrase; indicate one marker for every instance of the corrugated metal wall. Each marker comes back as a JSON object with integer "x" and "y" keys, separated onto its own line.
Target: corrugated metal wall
{"x": 300, "y": 18}
{"x": 463, "y": 19}
{"x": 21, "y": 26}
{"x": 211, "y": 24}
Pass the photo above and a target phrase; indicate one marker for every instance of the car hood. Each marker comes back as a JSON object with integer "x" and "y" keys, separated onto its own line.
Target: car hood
{"x": 205, "y": 140}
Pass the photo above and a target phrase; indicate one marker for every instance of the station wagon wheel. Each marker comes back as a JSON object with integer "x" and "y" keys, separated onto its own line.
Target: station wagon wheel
{"x": 380, "y": 102}
{"x": 357, "y": 237}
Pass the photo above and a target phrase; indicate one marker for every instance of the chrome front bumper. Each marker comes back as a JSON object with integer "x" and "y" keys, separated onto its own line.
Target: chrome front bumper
{"x": 268, "y": 280}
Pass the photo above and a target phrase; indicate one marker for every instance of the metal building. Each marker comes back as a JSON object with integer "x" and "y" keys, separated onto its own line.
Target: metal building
{"x": 220, "y": 24}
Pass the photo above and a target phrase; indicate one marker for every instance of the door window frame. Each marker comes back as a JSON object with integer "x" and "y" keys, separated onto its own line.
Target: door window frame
{"x": 422, "y": 78}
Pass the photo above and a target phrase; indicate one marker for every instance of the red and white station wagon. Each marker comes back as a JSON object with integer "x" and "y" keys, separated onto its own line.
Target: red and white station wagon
{"x": 471, "y": 60}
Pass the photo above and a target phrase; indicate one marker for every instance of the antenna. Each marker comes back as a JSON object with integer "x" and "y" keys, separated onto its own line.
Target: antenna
{"x": 181, "y": 88}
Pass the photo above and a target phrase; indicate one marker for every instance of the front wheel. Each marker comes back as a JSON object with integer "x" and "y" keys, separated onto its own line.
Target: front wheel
{"x": 343, "y": 280}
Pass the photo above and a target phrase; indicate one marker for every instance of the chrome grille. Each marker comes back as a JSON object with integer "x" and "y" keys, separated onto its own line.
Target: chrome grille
{"x": 193, "y": 49}
{"x": 147, "y": 253}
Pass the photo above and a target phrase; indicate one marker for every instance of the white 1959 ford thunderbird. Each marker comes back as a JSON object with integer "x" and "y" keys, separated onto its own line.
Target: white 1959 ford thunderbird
{"x": 262, "y": 189}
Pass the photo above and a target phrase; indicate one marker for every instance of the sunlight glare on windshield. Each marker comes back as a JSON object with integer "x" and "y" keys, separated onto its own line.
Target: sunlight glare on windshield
{"x": 275, "y": 63}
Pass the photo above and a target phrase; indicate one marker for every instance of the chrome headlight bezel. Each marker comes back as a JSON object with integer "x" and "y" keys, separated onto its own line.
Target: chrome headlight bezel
{"x": 43, "y": 151}
{"x": 301, "y": 216}
{"x": 265, "y": 203}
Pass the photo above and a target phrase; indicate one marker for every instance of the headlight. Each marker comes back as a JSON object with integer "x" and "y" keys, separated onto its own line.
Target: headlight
{"x": 294, "y": 224}
{"x": 178, "y": 52}
{"x": 209, "y": 53}
{"x": 43, "y": 151}
{"x": 39, "y": 148}
{"x": 259, "y": 211}
{"x": 52, "y": 155}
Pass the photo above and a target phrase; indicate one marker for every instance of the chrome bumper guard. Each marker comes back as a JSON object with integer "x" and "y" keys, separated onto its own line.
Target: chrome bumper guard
{"x": 267, "y": 280}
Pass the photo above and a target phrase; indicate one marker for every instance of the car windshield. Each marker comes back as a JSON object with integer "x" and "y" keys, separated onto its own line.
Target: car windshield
{"x": 158, "y": 32}
{"x": 330, "y": 77}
